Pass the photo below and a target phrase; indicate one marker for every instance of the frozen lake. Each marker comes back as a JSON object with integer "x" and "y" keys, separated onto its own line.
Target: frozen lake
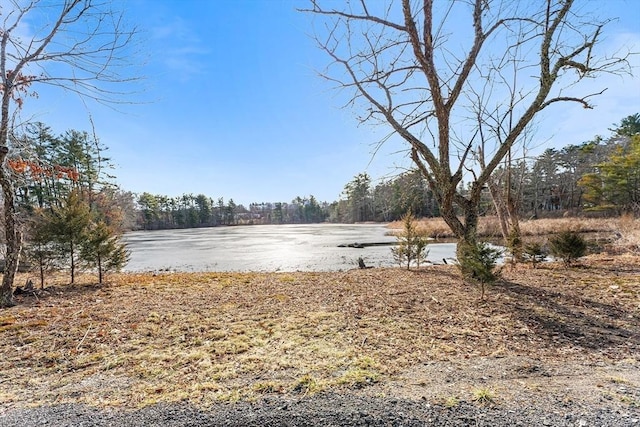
{"x": 309, "y": 247}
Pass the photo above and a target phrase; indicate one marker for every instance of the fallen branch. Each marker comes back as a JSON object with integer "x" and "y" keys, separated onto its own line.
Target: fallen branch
{"x": 83, "y": 338}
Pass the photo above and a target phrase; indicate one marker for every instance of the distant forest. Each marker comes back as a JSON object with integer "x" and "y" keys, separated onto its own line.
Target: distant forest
{"x": 601, "y": 176}
{"x": 598, "y": 177}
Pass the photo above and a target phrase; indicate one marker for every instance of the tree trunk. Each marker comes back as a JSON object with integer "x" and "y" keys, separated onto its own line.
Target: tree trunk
{"x": 471, "y": 224}
{"x": 501, "y": 209}
{"x": 466, "y": 231}
{"x": 73, "y": 263}
{"x": 12, "y": 236}
{"x": 100, "y": 269}
{"x": 41, "y": 262}
{"x": 515, "y": 237}
{"x": 507, "y": 213}
{"x": 468, "y": 242}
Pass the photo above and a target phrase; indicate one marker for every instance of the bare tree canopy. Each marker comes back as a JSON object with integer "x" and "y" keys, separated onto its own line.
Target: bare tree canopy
{"x": 460, "y": 81}
{"x": 82, "y": 46}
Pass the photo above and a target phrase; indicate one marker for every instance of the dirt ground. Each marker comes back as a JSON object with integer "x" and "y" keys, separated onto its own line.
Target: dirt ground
{"x": 547, "y": 337}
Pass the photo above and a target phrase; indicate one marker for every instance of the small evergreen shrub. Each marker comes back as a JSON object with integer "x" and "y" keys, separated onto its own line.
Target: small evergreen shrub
{"x": 535, "y": 252}
{"x": 412, "y": 245}
{"x": 478, "y": 264}
{"x": 569, "y": 246}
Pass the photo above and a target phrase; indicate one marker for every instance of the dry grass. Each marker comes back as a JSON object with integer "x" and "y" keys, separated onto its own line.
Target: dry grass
{"x": 227, "y": 336}
{"x": 490, "y": 227}
{"x": 581, "y": 225}
{"x": 628, "y": 234}
{"x": 624, "y": 232}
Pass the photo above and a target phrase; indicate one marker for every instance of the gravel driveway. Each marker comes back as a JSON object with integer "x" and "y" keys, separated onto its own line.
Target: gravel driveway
{"x": 325, "y": 410}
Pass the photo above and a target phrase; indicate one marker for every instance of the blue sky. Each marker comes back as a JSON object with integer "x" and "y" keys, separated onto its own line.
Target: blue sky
{"x": 231, "y": 105}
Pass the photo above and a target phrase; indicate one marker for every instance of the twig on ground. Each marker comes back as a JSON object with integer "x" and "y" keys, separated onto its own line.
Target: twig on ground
{"x": 83, "y": 338}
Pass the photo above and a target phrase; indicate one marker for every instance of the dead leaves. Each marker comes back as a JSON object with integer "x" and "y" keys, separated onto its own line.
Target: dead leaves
{"x": 207, "y": 337}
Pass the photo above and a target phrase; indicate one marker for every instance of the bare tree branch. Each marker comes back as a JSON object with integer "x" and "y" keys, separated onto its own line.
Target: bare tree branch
{"x": 366, "y": 17}
{"x": 408, "y": 69}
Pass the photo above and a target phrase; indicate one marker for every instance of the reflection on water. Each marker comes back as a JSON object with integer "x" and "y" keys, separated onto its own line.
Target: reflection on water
{"x": 266, "y": 248}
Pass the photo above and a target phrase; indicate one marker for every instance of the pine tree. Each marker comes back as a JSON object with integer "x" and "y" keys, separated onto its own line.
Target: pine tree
{"x": 569, "y": 246}
{"x": 102, "y": 249}
{"x": 411, "y": 244}
{"x": 41, "y": 248}
{"x": 68, "y": 228}
{"x": 478, "y": 265}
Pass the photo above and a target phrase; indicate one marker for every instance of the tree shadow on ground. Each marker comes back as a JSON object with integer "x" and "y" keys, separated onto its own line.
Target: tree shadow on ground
{"x": 438, "y": 271}
{"x": 564, "y": 318}
{"x": 38, "y": 295}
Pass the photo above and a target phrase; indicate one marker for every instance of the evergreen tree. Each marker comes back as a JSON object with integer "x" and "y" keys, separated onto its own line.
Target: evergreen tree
{"x": 358, "y": 192}
{"x": 411, "y": 245}
{"x": 68, "y": 226}
{"x": 479, "y": 264}
{"x": 616, "y": 184}
{"x": 41, "y": 247}
{"x": 103, "y": 250}
{"x": 569, "y": 246}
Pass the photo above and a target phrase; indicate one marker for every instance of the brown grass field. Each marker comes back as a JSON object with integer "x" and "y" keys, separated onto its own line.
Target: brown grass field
{"x": 601, "y": 228}
{"x": 544, "y": 333}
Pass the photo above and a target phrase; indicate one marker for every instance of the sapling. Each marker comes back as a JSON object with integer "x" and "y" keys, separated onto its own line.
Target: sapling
{"x": 412, "y": 245}
{"x": 569, "y": 246}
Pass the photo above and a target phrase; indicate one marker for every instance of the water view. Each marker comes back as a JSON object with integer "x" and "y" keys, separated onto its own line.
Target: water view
{"x": 266, "y": 248}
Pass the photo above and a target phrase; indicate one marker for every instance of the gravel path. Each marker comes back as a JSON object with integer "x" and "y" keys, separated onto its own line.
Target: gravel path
{"x": 323, "y": 410}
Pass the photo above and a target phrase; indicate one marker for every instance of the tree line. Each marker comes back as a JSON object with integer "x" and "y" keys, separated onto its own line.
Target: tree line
{"x": 192, "y": 211}
{"x": 596, "y": 177}
{"x": 388, "y": 201}
{"x": 600, "y": 176}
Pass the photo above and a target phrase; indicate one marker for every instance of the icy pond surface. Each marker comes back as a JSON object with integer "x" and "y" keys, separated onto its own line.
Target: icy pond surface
{"x": 266, "y": 248}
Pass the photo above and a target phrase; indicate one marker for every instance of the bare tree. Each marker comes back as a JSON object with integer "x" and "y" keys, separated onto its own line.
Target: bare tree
{"x": 421, "y": 66}
{"x": 81, "y": 46}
